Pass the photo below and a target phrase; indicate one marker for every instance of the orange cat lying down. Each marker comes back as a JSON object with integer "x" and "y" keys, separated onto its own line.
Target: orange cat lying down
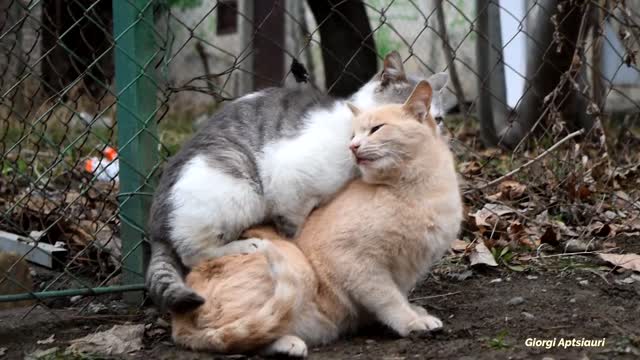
{"x": 355, "y": 259}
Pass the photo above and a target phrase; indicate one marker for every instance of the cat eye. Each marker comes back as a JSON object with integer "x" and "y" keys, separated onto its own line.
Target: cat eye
{"x": 375, "y": 128}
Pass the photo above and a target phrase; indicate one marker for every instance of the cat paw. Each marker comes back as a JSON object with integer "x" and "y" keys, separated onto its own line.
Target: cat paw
{"x": 419, "y": 310}
{"x": 253, "y": 245}
{"x": 288, "y": 345}
{"x": 247, "y": 246}
{"x": 184, "y": 301}
{"x": 285, "y": 227}
{"x": 424, "y": 323}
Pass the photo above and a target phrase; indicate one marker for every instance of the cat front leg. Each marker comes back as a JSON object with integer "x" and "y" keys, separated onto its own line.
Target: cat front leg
{"x": 419, "y": 309}
{"x": 425, "y": 322}
{"x": 286, "y": 226}
{"x": 381, "y": 296}
{"x": 291, "y": 217}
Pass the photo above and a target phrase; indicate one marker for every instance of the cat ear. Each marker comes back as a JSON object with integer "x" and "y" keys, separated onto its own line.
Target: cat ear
{"x": 393, "y": 69}
{"x": 419, "y": 102}
{"x": 438, "y": 81}
{"x": 354, "y": 109}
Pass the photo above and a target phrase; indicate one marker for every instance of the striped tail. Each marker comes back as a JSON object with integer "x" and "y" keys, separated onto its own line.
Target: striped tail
{"x": 165, "y": 281}
{"x": 255, "y": 330}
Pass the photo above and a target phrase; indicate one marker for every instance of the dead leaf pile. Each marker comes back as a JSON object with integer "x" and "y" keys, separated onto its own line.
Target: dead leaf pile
{"x": 577, "y": 198}
{"x": 83, "y": 219}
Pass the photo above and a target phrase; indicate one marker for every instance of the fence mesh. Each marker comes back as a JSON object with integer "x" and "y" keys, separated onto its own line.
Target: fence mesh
{"x": 542, "y": 106}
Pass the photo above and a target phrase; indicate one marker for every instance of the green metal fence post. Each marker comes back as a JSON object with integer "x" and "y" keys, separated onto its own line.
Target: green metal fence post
{"x": 135, "y": 49}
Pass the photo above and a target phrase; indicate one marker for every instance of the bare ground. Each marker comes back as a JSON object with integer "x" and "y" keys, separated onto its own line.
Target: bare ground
{"x": 568, "y": 297}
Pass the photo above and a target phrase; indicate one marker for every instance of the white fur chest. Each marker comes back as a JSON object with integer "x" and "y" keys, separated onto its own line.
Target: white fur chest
{"x": 312, "y": 166}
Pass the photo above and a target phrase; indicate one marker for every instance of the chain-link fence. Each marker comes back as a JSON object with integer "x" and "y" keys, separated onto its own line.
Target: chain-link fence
{"x": 542, "y": 106}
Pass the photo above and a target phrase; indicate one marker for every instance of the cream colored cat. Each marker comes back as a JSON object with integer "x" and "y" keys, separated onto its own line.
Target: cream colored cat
{"x": 355, "y": 259}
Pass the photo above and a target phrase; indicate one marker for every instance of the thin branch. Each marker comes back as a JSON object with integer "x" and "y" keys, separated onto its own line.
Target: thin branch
{"x": 204, "y": 58}
{"x": 531, "y": 162}
{"x": 435, "y": 296}
{"x": 450, "y": 55}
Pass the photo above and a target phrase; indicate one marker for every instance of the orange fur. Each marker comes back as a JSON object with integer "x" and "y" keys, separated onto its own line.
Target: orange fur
{"x": 262, "y": 232}
{"x": 250, "y": 299}
{"x": 363, "y": 251}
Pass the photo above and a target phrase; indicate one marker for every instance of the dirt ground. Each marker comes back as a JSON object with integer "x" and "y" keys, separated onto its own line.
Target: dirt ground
{"x": 487, "y": 314}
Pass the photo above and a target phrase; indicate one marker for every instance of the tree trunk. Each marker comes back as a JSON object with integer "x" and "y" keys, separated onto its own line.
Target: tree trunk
{"x": 87, "y": 35}
{"x": 12, "y": 61}
{"x": 492, "y": 96}
{"x": 268, "y": 42}
{"x": 547, "y": 61}
{"x": 346, "y": 33}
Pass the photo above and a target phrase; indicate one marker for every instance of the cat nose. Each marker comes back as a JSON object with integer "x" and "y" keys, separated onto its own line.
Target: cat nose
{"x": 354, "y": 147}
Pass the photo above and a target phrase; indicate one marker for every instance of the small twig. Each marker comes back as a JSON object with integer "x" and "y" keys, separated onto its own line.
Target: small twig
{"x": 204, "y": 58}
{"x": 557, "y": 327}
{"x": 572, "y": 254}
{"x": 435, "y": 296}
{"x": 531, "y": 162}
{"x": 450, "y": 55}
{"x": 106, "y": 317}
{"x": 598, "y": 274}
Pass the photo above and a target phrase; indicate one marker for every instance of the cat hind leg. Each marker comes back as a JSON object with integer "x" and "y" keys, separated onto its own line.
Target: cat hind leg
{"x": 292, "y": 216}
{"x": 211, "y": 208}
{"x": 288, "y": 345}
{"x": 165, "y": 284}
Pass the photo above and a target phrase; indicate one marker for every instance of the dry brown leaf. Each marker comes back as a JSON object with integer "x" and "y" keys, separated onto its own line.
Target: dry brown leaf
{"x": 468, "y": 222}
{"x": 79, "y": 235}
{"x": 495, "y": 197}
{"x": 632, "y": 225}
{"x": 459, "y": 245}
{"x": 550, "y": 237}
{"x": 511, "y": 190}
{"x": 480, "y": 254}
{"x": 600, "y": 170}
{"x": 515, "y": 229}
{"x": 490, "y": 214}
{"x": 470, "y": 168}
{"x": 490, "y": 152}
{"x": 543, "y": 217}
{"x": 571, "y": 186}
{"x": 622, "y": 199}
{"x": 564, "y": 229}
{"x": 584, "y": 192}
{"x": 599, "y": 229}
{"x": 71, "y": 196}
{"x": 518, "y": 236}
{"x": 627, "y": 261}
{"x": 119, "y": 340}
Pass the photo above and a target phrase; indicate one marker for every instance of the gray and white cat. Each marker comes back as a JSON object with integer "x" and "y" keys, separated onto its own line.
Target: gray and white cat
{"x": 270, "y": 156}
